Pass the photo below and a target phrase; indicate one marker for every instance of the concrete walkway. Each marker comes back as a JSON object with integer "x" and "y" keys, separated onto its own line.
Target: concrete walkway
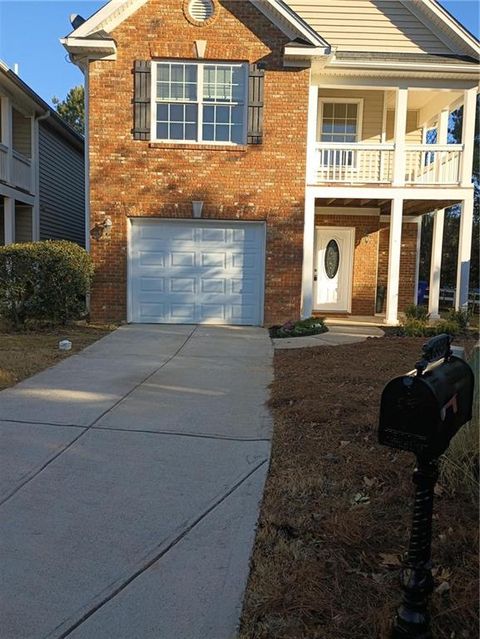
{"x": 130, "y": 481}
{"x": 337, "y": 335}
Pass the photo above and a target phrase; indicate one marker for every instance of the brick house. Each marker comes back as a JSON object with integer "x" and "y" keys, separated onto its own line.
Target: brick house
{"x": 253, "y": 161}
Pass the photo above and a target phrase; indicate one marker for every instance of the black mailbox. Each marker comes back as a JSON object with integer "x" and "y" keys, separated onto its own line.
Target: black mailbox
{"x": 422, "y": 410}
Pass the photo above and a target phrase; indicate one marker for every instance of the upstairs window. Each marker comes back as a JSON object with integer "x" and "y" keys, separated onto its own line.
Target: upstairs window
{"x": 340, "y": 121}
{"x": 199, "y": 102}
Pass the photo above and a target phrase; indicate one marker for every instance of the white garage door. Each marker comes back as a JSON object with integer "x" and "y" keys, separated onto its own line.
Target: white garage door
{"x": 196, "y": 272}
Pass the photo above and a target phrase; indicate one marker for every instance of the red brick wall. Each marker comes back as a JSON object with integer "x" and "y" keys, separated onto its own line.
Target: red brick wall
{"x": 136, "y": 178}
{"x": 408, "y": 258}
{"x": 365, "y": 257}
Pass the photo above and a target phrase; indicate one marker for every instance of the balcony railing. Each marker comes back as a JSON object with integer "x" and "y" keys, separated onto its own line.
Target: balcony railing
{"x": 21, "y": 171}
{"x": 3, "y": 162}
{"x": 433, "y": 164}
{"x": 437, "y": 165}
{"x": 356, "y": 164}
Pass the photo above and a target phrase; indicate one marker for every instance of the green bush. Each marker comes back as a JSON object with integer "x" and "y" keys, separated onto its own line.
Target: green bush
{"x": 421, "y": 328}
{"x": 462, "y": 318}
{"x": 45, "y": 281}
{"x": 415, "y": 312}
{"x": 301, "y": 328}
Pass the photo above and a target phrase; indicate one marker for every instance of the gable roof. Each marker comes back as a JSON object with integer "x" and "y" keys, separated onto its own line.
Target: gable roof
{"x": 278, "y": 12}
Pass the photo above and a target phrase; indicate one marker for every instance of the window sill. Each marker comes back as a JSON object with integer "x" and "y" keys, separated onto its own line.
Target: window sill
{"x": 238, "y": 148}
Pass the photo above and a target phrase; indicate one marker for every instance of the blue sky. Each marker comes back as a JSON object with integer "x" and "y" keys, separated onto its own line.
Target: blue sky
{"x": 30, "y": 29}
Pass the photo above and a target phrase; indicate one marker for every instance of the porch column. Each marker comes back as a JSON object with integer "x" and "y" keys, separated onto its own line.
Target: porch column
{"x": 436, "y": 263}
{"x": 394, "y": 249}
{"x": 308, "y": 255}
{"x": 464, "y": 249}
{"x": 401, "y": 104}
{"x": 442, "y": 127}
{"x": 417, "y": 259}
{"x": 468, "y": 135}
{"x": 9, "y": 219}
{"x": 312, "y": 133}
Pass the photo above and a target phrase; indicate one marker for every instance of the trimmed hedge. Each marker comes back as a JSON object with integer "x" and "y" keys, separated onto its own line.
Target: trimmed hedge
{"x": 45, "y": 281}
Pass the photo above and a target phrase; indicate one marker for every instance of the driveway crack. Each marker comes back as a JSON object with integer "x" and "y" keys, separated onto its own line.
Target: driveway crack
{"x": 97, "y": 419}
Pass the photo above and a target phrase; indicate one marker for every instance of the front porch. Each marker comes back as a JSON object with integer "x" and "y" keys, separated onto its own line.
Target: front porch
{"x": 362, "y": 255}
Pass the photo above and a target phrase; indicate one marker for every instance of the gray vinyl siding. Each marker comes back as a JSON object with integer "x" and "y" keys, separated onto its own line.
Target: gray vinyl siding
{"x": 22, "y": 133}
{"x": 62, "y": 188}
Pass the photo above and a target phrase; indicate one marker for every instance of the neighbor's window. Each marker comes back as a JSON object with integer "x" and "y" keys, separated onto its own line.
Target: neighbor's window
{"x": 200, "y": 102}
{"x": 340, "y": 122}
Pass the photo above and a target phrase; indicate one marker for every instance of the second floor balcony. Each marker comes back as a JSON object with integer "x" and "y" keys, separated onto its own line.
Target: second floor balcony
{"x": 387, "y": 137}
{"x": 16, "y": 134}
{"x": 424, "y": 164}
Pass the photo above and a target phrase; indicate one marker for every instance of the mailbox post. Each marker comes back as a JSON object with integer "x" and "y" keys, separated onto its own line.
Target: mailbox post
{"x": 420, "y": 412}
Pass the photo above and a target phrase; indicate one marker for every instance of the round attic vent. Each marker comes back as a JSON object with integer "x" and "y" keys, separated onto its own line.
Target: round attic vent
{"x": 201, "y": 10}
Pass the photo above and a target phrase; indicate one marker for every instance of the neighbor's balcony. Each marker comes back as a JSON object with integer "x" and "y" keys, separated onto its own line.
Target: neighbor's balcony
{"x": 425, "y": 164}
{"x": 16, "y": 169}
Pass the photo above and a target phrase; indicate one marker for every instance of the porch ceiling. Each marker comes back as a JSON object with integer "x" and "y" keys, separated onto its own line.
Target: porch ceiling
{"x": 410, "y": 207}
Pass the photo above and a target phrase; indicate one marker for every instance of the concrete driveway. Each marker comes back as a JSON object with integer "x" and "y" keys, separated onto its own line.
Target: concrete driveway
{"x": 130, "y": 481}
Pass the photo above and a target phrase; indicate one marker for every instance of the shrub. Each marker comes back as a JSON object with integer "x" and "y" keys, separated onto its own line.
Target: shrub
{"x": 45, "y": 281}
{"x": 415, "y": 312}
{"x": 462, "y": 318}
{"x": 301, "y": 328}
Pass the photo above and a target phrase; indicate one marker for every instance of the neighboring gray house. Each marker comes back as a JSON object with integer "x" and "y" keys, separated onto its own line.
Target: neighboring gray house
{"x": 42, "y": 168}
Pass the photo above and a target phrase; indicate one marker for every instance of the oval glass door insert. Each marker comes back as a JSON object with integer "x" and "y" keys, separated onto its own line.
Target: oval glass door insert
{"x": 332, "y": 259}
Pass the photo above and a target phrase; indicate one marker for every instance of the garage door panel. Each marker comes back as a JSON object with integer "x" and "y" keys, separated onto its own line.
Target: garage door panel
{"x": 196, "y": 272}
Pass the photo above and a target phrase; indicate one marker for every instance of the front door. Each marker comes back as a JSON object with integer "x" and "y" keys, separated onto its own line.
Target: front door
{"x": 334, "y": 268}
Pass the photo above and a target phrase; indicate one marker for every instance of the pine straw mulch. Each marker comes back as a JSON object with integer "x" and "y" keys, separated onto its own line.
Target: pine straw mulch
{"x": 336, "y": 511}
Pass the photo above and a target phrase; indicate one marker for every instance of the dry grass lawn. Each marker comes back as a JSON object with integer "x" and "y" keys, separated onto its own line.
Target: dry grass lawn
{"x": 23, "y": 354}
{"x": 336, "y": 512}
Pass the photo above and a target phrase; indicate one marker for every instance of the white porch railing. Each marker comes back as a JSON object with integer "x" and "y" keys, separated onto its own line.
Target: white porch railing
{"x": 3, "y": 162}
{"x": 433, "y": 164}
{"x": 21, "y": 171}
{"x": 354, "y": 164}
{"x": 437, "y": 165}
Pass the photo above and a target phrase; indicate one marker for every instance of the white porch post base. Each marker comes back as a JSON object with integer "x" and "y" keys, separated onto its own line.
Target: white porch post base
{"x": 464, "y": 251}
{"x": 436, "y": 264}
{"x": 395, "y": 245}
{"x": 9, "y": 220}
{"x": 308, "y": 256}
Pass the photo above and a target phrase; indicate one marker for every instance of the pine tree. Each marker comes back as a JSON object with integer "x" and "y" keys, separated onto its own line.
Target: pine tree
{"x": 72, "y": 109}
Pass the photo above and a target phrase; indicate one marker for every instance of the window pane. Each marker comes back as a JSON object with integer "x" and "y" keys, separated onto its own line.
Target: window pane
{"x": 351, "y": 128}
{"x": 163, "y": 91}
{"x": 190, "y": 131}
{"x": 327, "y": 138}
{"x": 191, "y": 113}
{"x": 190, "y": 73}
{"x": 208, "y": 114}
{"x": 238, "y": 84}
{"x": 177, "y": 72}
{"x": 237, "y": 134}
{"x": 176, "y": 131}
{"x": 350, "y": 138}
{"x": 237, "y": 115}
{"x": 209, "y": 92}
{"x": 162, "y": 112}
{"x": 163, "y": 72}
{"x": 208, "y": 132}
{"x": 191, "y": 92}
{"x": 223, "y": 114}
{"x": 328, "y": 110}
{"x": 222, "y": 133}
{"x": 340, "y": 110}
{"x": 352, "y": 110}
{"x": 327, "y": 126}
{"x": 176, "y": 112}
{"x": 176, "y": 91}
{"x": 162, "y": 131}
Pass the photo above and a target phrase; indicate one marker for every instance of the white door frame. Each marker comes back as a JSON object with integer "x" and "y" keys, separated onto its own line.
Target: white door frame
{"x": 349, "y": 266}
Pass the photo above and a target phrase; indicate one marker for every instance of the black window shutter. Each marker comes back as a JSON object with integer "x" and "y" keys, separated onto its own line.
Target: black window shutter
{"x": 141, "y": 100}
{"x": 256, "y": 77}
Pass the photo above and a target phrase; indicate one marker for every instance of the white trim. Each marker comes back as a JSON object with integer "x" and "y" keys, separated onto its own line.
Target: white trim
{"x": 200, "y": 64}
{"x": 308, "y": 256}
{"x": 349, "y": 266}
{"x": 394, "y": 252}
{"x": 436, "y": 263}
{"x": 464, "y": 253}
{"x": 347, "y": 210}
{"x": 457, "y": 194}
{"x": 340, "y": 100}
{"x": 412, "y": 66}
{"x": 407, "y": 219}
{"x": 468, "y": 136}
{"x": 312, "y": 123}
{"x": 20, "y": 196}
{"x": 400, "y": 128}
{"x": 129, "y": 269}
{"x": 108, "y": 17}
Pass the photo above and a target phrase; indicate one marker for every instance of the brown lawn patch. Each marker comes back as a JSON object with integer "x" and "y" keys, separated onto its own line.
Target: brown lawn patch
{"x": 26, "y": 353}
{"x": 337, "y": 507}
